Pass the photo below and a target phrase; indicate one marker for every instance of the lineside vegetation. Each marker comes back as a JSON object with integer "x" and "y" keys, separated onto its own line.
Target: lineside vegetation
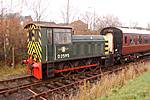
{"x": 110, "y": 83}
{"x": 7, "y": 72}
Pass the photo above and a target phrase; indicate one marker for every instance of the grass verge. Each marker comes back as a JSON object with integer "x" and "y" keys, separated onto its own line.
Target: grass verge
{"x": 138, "y": 89}
{"x": 110, "y": 83}
{"x": 7, "y": 72}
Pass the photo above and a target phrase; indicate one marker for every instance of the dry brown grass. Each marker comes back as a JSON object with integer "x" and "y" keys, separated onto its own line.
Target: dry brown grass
{"x": 7, "y": 72}
{"x": 108, "y": 82}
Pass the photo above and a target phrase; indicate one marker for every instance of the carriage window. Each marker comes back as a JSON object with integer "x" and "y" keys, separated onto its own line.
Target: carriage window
{"x": 139, "y": 39}
{"x": 62, "y": 36}
{"x": 145, "y": 39}
{"x": 49, "y": 35}
{"x": 125, "y": 39}
{"x": 132, "y": 40}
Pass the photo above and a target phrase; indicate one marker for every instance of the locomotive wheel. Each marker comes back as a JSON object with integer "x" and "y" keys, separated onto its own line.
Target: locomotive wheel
{"x": 65, "y": 65}
{"x": 92, "y": 61}
{"x": 80, "y": 63}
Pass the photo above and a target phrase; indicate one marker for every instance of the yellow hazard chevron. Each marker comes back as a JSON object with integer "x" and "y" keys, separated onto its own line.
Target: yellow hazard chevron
{"x": 40, "y": 41}
{"x": 39, "y": 34}
{"x": 33, "y": 31}
{"x": 106, "y": 50}
{"x": 34, "y": 48}
{"x": 33, "y": 38}
{"x": 106, "y": 43}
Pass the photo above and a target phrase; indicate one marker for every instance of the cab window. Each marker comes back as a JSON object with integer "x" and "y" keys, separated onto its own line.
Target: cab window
{"x": 49, "y": 36}
{"x": 62, "y": 36}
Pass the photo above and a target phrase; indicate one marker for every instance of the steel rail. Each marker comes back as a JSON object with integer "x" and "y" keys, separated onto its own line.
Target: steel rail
{"x": 18, "y": 78}
{"x": 71, "y": 84}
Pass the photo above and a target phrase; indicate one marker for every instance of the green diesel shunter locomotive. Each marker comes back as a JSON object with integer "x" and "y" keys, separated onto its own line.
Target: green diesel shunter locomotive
{"x": 54, "y": 49}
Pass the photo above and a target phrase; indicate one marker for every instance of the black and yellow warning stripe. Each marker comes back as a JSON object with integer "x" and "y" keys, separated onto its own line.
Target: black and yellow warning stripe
{"x": 40, "y": 38}
{"x": 106, "y": 48}
{"x": 34, "y": 47}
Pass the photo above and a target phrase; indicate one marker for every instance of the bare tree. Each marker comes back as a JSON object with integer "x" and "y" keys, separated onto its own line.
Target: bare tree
{"x": 39, "y": 9}
{"x": 134, "y": 24}
{"x": 11, "y": 37}
{"x": 68, "y": 14}
{"x": 3, "y": 10}
{"x": 107, "y": 21}
{"x": 99, "y": 22}
{"x": 88, "y": 19}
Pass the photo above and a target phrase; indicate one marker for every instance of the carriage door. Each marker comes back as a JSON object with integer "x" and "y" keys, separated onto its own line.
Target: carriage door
{"x": 109, "y": 36}
{"x": 117, "y": 42}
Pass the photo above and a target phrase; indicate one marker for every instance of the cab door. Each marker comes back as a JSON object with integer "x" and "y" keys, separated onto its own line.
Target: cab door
{"x": 49, "y": 50}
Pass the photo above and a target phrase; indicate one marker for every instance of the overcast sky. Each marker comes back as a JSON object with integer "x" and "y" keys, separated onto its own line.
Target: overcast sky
{"x": 127, "y": 11}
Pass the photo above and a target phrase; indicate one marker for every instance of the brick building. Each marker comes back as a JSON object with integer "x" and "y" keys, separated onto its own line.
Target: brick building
{"x": 79, "y": 27}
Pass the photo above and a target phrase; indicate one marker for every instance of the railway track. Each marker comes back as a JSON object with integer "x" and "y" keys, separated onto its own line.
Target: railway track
{"x": 76, "y": 82}
{"x": 27, "y": 88}
{"x": 6, "y": 85}
{"x": 38, "y": 89}
{"x": 18, "y": 78}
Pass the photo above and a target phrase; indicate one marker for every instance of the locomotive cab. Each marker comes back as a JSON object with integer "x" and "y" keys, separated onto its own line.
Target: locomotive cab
{"x": 46, "y": 43}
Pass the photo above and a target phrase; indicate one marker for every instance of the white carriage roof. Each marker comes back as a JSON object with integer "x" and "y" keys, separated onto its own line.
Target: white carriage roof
{"x": 136, "y": 31}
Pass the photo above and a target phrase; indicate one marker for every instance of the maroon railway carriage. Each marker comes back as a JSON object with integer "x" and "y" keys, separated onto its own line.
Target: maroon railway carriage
{"x": 127, "y": 43}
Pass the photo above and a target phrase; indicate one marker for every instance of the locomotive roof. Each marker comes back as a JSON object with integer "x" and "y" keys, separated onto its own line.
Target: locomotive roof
{"x": 132, "y": 30}
{"x": 87, "y": 37}
{"x": 47, "y": 24}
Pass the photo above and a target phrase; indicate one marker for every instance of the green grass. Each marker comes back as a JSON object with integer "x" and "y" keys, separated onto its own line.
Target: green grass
{"x": 9, "y": 72}
{"x": 137, "y": 89}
